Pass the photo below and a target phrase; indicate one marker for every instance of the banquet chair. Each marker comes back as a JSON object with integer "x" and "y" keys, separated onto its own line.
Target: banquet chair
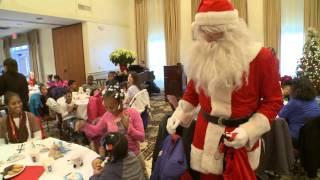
{"x": 277, "y": 157}
{"x": 309, "y": 146}
{"x": 141, "y": 102}
{"x": 55, "y": 108}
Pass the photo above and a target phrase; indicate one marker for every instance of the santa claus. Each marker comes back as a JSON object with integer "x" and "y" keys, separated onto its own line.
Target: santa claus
{"x": 236, "y": 83}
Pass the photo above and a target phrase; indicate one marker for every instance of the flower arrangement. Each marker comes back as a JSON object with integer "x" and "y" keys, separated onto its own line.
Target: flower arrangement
{"x": 122, "y": 57}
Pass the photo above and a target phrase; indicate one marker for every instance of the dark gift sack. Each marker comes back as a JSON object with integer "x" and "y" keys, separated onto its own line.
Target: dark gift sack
{"x": 171, "y": 163}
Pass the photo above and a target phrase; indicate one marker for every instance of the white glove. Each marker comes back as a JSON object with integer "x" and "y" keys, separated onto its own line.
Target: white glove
{"x": 172, "y": 125}
{"x": 238, "y": 138}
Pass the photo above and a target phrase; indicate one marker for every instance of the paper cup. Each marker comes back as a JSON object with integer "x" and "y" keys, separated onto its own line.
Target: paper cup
{"x": 34, "y": 155}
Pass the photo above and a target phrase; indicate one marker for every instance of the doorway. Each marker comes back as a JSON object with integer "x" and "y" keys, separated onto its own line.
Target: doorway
{"x": 68, "y": 52}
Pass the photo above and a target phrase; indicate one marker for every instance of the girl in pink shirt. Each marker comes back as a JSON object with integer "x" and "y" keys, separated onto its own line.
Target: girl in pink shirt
{"x": 117, "y": 119}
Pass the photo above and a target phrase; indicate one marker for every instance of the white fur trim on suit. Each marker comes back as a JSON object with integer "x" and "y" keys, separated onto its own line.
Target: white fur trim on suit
{"x": 221, "y": 101}
{"x": 257, "y": 125}
{"x": 254, "y": 157}
{"x": 211, "y": 143}
{"x": 215, "y": 18}
{"x": 196, "y": 159}
{"x": 184, "y": 114}
{"x": 207, "y": 163}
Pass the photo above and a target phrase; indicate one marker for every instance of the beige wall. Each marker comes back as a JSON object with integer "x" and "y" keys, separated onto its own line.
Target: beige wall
{"x": 132, "y": 26}
{"x": 185, "y": 36}
{"x": 46, "y": 50}
{"x": 99, "y": 41}
{"x": 255, "y": 18}
{"x": 102, "y": 11}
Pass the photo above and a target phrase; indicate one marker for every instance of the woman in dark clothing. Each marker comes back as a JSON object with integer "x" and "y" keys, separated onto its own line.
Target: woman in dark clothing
{"x": 14, "y": 82}
{"x": 302, "y": 106}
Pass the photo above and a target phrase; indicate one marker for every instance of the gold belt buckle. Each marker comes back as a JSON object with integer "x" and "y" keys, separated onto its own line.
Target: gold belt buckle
{"x": 220, "y": 121}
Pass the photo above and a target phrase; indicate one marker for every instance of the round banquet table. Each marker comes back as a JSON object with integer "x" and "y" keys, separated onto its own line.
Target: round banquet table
{"x": 61, "y": 166}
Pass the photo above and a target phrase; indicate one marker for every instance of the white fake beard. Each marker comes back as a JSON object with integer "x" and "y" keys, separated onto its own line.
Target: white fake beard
{"x": 220, "y": 63}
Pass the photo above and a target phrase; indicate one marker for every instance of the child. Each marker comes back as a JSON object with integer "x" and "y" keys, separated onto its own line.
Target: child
{"x": 68, "y": 108}
{"x": 95, "y": 108}
{"x": 111, "y": 79}
{"x": 120, "y": 164}
{"x": 133, "y": 88}
{"x": 32, "y": 81}
{"x": 50, "y": 82}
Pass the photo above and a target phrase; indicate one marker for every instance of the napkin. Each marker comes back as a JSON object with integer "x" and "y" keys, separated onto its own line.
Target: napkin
{"x": 30, "y": 173}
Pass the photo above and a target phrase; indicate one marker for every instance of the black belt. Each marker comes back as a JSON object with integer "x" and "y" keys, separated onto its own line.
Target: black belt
{"x": 222, "y": 121}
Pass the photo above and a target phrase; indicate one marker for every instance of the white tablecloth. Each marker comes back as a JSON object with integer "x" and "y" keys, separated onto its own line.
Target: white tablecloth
{"x": 33, "y": 90}
{"x": 61, "y": 167}
{"x": 82, "y": 101}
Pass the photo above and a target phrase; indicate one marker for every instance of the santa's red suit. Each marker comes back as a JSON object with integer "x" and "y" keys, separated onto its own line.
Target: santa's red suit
{"x": 259, "y": 98}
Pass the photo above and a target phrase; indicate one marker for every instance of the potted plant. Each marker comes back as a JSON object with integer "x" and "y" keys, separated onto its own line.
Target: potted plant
{"x": 123, "y": 57}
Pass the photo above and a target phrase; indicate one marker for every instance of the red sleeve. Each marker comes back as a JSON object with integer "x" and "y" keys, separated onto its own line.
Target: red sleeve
{"x": 270, "y": 91}
{"x": 191, "y": 94}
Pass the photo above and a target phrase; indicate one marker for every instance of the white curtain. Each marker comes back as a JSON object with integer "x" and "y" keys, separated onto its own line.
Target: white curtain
{"x": 156, "y": 40}
{"x": 34, "y": 52}
{"x": 292, "y": 35}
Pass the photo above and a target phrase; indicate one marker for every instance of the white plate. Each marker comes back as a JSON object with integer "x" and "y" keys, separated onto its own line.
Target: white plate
{"x": 13, "y": 175}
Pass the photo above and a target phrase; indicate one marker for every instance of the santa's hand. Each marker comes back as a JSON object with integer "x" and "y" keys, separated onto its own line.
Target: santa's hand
{"x": 172, "y": 125}
{"x": 238, "y": 138}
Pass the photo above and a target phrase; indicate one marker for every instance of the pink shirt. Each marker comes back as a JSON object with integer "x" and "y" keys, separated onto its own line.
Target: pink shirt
{"x": 50, "y": 83}
{"x": 62, "y": 83}
{"x": 95, "y": 108}
{"x": 108, "y": 123}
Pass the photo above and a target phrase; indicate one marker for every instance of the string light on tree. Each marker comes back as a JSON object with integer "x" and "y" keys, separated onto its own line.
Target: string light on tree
{"x": 309, "y": 64}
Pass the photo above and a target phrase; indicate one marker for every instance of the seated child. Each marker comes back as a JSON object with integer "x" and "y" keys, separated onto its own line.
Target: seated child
{"x": 120, "y": 163}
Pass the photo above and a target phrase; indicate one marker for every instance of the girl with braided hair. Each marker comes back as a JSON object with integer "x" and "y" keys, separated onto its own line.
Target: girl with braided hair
{"x": 119, "y": 164}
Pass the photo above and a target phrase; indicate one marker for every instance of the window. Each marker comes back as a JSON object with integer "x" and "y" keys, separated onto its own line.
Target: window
{"x": 292, "y": 35}
{"x": 156, "y": 40}
{"x": 21, "y": 55}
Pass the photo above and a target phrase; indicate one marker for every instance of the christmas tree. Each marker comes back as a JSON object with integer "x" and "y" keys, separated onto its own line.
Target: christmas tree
{"x": 309, "y": 64}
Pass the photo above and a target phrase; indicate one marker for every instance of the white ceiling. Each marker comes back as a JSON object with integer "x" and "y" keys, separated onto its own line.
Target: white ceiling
{"x": 22, "y": 22}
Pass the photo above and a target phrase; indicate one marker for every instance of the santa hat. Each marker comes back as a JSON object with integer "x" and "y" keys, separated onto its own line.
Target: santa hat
{"x": 216, "y": 12}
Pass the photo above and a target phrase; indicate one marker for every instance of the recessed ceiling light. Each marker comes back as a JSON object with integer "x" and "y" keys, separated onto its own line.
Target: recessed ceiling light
{"x": 39, "y": 18}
